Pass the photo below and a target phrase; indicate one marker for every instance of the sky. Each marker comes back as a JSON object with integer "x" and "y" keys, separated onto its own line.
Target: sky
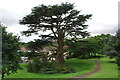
{"x": 104, "y": 19}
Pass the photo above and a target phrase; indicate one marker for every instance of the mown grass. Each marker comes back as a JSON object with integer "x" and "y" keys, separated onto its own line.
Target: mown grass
{"x": 81, "y": 66}
{"x": 109, "y": 69}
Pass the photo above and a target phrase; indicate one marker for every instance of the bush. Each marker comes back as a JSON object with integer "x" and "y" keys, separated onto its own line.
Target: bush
{"x": 48, "y": 71}
{"x": 118, "y": 61}
{"x": 34, "y": 67}
{"x": 43, "y": 66}
{"x": 118, "y": 68}
{"x": 38, "y": 67}
{"x": 29, "y": 67}
{"x": 38, "y": 64}
{"x": 65, "y": 70}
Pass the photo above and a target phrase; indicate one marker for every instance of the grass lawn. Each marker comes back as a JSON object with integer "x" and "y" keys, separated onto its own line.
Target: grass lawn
{"x": 109, "y": 69}
{"x": 81, "y": 66}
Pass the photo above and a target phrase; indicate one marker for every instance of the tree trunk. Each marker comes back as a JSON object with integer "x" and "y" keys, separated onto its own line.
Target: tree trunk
{"x": 60, "y": 50}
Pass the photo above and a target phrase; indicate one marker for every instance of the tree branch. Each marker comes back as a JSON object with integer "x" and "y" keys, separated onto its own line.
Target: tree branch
{"x": 54, "y": 33}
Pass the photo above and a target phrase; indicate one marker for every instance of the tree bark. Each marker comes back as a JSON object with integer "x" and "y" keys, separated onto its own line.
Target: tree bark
{"x": 60, "y": 49}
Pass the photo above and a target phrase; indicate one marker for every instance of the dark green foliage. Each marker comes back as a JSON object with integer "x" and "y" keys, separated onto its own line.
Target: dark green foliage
{"x": 48, "y": 71}
{"x": 34, "y": 48}
{"x": 83, "y": 48}
{"x": 112, "y": 49}
{"x": 117, "y": 43}
{"x": 100, "y": 42}
{"x": 89, "y": 47}
{"x": 54, "y": 17}
{"x": 111, "y": 53}
{"x": 10, "y": 56}
{"x": 29, "y": 67}
{"x": 38, "y": 64}
{"x": 65, "y": 70}
{"x": 118, "y": 61}
{"x": 62, "y": 20}
{"x": 42, "y": 66}
{"x": 34, "y": 67}
{"x": 37, "y": 44}
{"x": 62, "y": 69}
{"x": 30, "y": 55}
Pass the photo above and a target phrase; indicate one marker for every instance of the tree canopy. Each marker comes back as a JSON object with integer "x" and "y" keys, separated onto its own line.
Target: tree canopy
{"x": 62, "y": 20}
{"x": 83, "y": 48}
{"x": 113, "y": 46}
{"x": 37, "y": 44}
{"x": 10, "y": 57}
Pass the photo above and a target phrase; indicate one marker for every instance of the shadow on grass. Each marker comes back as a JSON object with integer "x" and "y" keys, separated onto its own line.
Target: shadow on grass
{"x": 91, "y": 57}
{"x": 111, "y": 62}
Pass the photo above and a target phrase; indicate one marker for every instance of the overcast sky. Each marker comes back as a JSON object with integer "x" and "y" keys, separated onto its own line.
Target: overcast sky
{"x": 104, "y": 19}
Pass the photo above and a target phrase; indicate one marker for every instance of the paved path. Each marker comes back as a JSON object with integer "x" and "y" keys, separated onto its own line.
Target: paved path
{"x": 97, "y": 69}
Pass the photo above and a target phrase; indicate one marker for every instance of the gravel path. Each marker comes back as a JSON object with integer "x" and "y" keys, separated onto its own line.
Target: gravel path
{"x": 97, "y": 69}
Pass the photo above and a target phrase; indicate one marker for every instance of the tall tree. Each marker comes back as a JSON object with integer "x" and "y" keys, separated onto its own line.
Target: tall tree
{"x": 102, "y": 40}
{"x": 10, "y": 57}
{"x": 63, "y": 21}
{"x": 83, "y": 47}
{"x": 112, "y": 49}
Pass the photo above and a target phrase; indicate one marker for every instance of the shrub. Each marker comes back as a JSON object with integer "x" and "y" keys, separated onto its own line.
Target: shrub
{"x": 48, "y": 71}
{"x": 118, "y": 68}
{"x": 118, "y": 61}
{"x": 43, "y": 66}
{"x": 34, "y": 66}
{"x": 29, "y": 67}
{"x": 38, "y": 64}
{"x": 65, "y": 70}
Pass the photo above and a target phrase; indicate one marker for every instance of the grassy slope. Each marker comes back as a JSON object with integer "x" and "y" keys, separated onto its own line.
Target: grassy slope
{"x": 81, "y": 66}
{"x": 109, "y": 69}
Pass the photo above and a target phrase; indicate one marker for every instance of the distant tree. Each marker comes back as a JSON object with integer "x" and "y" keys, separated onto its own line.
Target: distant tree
{"x": 78, "y": 48}
{"x": 112, "y": 49}
{"x": 10, "y": 56}
{"x": 94, "y": 46}
{"x": 117, "y": 44}
{"x": 62, "y": 20}
{"x": 83, "y": 47}
{"x": 89, "y": 46}
{"x": 102, "y": 40}
{"x": 117, "y": 47}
